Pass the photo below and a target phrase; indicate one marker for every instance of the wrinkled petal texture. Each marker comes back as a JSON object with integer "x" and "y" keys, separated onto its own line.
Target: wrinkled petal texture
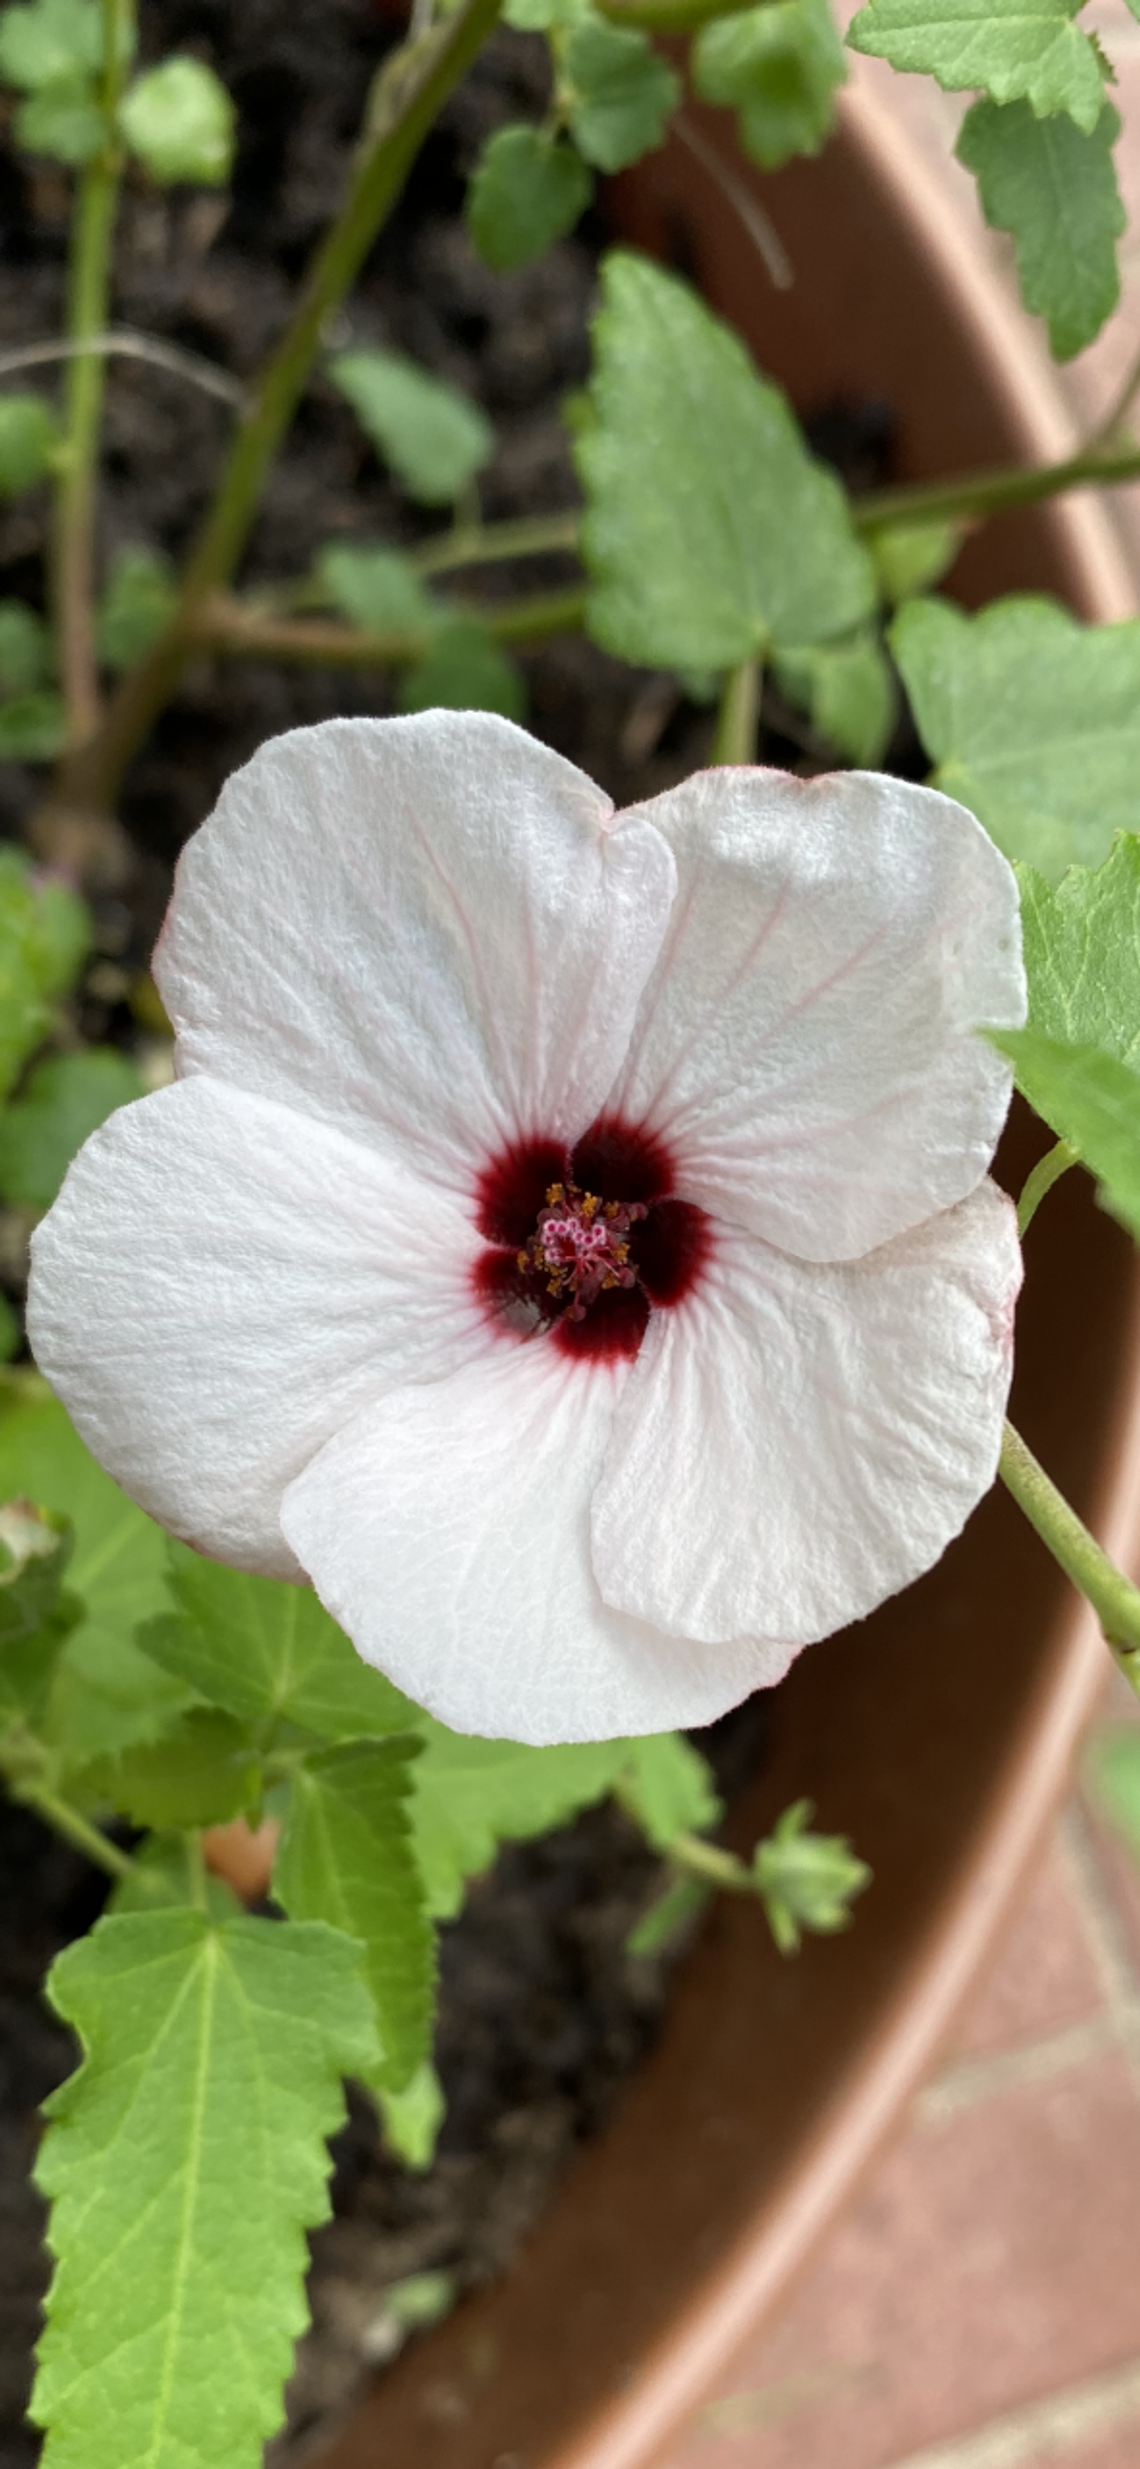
{"x": 221, "y": 1285}
{"x": 806, "y": 1044}
{"x": 424, "y": 931}
{"x": 447, "y": 1530}
{"x": 794, "y": 1444}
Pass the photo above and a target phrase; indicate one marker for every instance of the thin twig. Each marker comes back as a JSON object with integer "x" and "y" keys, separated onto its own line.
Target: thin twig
{"x": 122, "y": 342}
{"x": 760, "y": 229}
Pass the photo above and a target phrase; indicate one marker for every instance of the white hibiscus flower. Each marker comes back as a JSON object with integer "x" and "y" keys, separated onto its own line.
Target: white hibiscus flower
{"x": 568, "y": 1240}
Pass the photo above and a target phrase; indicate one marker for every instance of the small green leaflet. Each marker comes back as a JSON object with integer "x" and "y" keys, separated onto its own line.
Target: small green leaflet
{"x": 667, "y": 1786}
{"x": 464, "y": 670}
{"x": 1082, "y": 953}
{"x": 165, "y": 1875}
{"x": 66, "y": 1098}
{"x": 911, "y": 557}
{"x": 33, "y": 727}
{"x": 377, "y": 589}
{"x": 184, "y": 2162}
{"x": 263, "y": 1649}
{"x": 710, "y": 533}
{"x": 849, "y": 692}
{"x": 35, "y": 1615}
{"x": 179, "y": 121}
{"x": 25, "y": 644}
{"x": 468, "y": 1796}
{"x": 412, "y": 2118}
{"x": 434, "y": 439}
{"x": 1090, "y": 1100}
{"x": 1013, "y": 49}
{"x": 806, "y": 1881}
{"x": 781, "y": 66}
{"x": 29, "y": 435}
{"x": 62, "y": 120}
{"x": 44, "y": 934}
{"x": 52, "y": 41}
{"x": 346, "y": 1857}
{"x": 1053, "y": 186}
{"x": 1032, "y": 719}
{"x": 527, "y": 191}
{"x": 620, "y": 92}
{"x": 203, "y": 1771}
{"x": 139, "y": 597}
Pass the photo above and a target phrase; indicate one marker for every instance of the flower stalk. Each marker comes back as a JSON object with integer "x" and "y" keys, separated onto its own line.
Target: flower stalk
{"x": 739, "y": 716}
{"x": 228, "y": 625}
{"x": 1114, "y": 1598}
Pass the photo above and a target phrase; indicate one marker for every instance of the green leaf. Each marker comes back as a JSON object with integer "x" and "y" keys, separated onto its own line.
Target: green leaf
{"x": 709, "y": 533}
{"x": 412, "y": 2118}
{"x": 528, "y": 189}
{"x": 106, "y": 1694}
{"x": 547, "y": 16}
{"x": 29, "y": 435}
{"x": 203, "y": 1771}
{"x": 1032, "y": 720}
{"x": 35, "y": 1614}
{"x": 781, "y": 67}
{"x": 62, "y": 120}
{"x": 1112, "y": 1768}
{"x": 434, "y": 439}
{"x": 346, "y": 1857}
{"x": 53, "y": 40}
{"x": 620, "y": 94}
{"x": 667, "y": 1786}
{"x": 66, "y": 1099}
{"x": 806, "y": 1881}
{"x": 1053, "y": 186}
{"x": 11, "y": 1334}
{"x": 1015, "y": 50}
{"x": 134, "y": 608}
{"x": 666, "y": 1916}
{"x": 1082, "y": 953}
{"x": 179, "y": 121}
{"x": 464, "y": 670}
{"x": 32, "y": 727}
{"x": 849, "y": 692}
{"x": 266, "y": 1650}
{"x": 910, "y": 557}
{"x": 165, "y": 1875}
{"x": 377, "y": 589}
{"x": 1092, "y": 1101}
{"x": 25, "y": 645}
{"x": 44, "y": 934}
{"x": 468, "y": 1796}
{"x": 184, "y": 2162}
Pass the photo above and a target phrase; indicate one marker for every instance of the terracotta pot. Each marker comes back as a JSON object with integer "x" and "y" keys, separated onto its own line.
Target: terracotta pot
{"x": 938, "y": 1734}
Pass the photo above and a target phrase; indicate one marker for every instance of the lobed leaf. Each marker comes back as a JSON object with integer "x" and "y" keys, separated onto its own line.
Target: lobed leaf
{"x": 1015, "y": 50}
{"x": 434, "y": 439}
{"x": 184, "y": 2161}
{"x": 1082, "y": 953}
{"x": 178, "y": 120}
{"x": 710, "y": 533}
{"x": 62, "y": 120}
{"x": 29, "y": 435}
{"x": 53, "y": 40}
{"x": 1053, "y": 186}
{"x": 203, "y": 1771}
{"x": 346, "y": 1857}
{"x": 1092, "y": 1101}
{"x": 620, "y": 92}
{"x": 469, "y": 1795}
{"x": 44, "y": 934}
{"x": 780, "y": 66}
{"x": 1032, "y": 719}
{"x": 464, "y": 670}
{"x": 267, "y": 1651}
{"x": 849, "y": 692}
{"x": 668, "y": 1787}
{"x": 134, "y": 608}
{"x": 528, "y": 190}
{"x": 66, "y": 1099}
{"x": 378, "y": 589}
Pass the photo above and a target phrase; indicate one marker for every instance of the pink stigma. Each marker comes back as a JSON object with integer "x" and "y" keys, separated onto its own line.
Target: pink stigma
{"x": 581, "y": 1246}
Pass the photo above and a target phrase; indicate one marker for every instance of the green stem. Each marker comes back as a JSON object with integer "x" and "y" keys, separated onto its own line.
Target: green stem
{"x": 671, "y": 16}
{"x": 1046, "y": 1173}
{"x": 197, "y": 1878}
{"x": 530, "y": 535}
{"x": 994, "y": 492}
{"x": 699, "y": 1858}
{"x": 409, "y": 92}
{"x": 88, "y": 295}
{"x": 1114, "y": 1599}
{"x": 75, "y": 1829}
{"x": 739, "y": 715}
{"x": 226, "y": 625}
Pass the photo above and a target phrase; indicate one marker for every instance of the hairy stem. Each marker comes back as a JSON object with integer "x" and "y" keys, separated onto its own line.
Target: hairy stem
{"x": 701, "y": 1859}
{"x": 407, "y": 95}
{"x": 226, "y": 625}
{"x": 1114, "y": 1599}
{"x": 88, "y": 294}
{"x": 739, "y": 714}
{"x": 1045, "y": 1174}
{"x": 75, "y": 1829}
{"x": 978, "y": 494}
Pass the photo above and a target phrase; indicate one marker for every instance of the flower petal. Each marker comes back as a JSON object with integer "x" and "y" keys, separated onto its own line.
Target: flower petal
{"x": 447, "y": 1530}
{"x": 421, "y": 930}
{"x": 220, "y": 1285}
{"x": 806, "y": 1043}
{"x": 796, "y": 1443}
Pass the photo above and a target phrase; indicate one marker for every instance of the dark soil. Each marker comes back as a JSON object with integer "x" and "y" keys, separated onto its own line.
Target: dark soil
{"x": 542, "y": 2012}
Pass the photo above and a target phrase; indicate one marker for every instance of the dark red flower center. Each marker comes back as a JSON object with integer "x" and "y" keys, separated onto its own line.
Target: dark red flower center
{"x": 585, "y": 1243}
